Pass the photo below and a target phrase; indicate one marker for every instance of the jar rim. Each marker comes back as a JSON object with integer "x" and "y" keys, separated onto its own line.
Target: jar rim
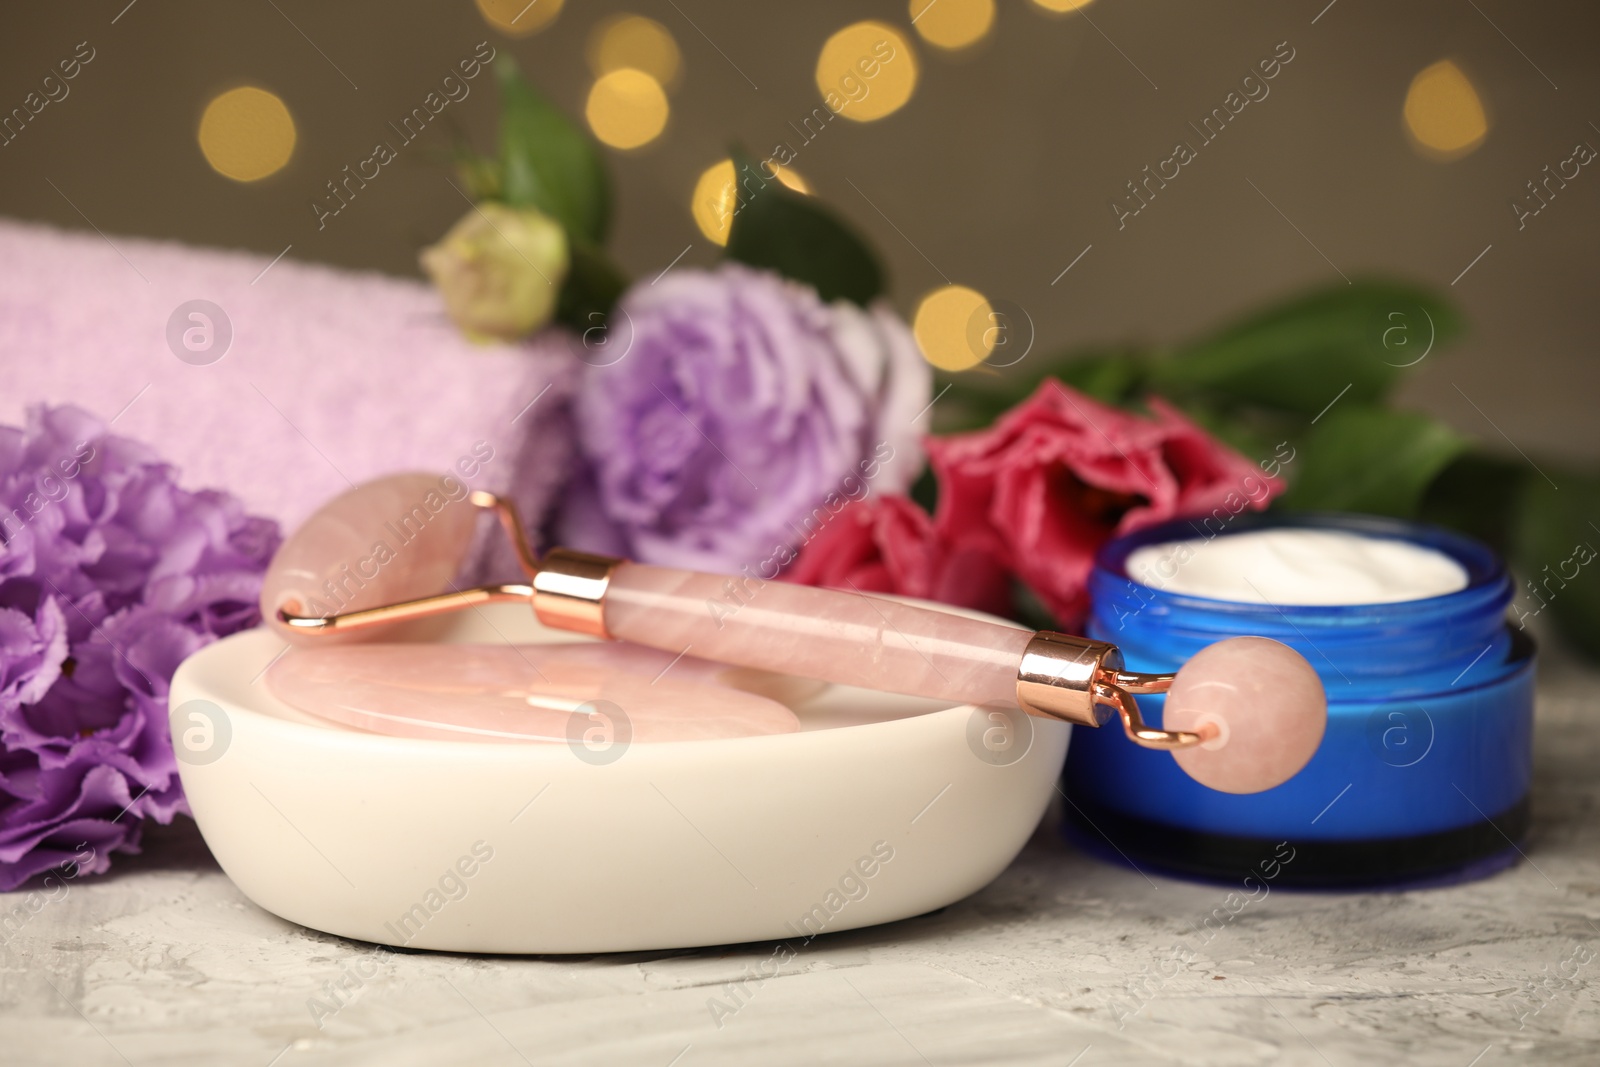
{"x": 1488, "y": 584}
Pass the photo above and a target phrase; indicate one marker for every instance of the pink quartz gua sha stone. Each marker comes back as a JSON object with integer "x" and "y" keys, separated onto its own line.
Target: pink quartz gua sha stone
{"x": 523, "y": 693}
{"x": 393, "y": 539}
{"x": 1266, "y": 704}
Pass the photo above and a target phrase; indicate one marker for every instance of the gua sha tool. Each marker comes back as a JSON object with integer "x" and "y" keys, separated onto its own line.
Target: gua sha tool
{"x": 1243, "y": 716}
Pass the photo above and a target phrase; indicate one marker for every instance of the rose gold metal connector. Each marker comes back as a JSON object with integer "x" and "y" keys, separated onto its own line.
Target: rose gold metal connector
{"x": 1082, "y": 682}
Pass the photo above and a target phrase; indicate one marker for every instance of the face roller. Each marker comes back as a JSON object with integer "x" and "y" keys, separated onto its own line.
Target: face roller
{"x": 1241, "y": 716}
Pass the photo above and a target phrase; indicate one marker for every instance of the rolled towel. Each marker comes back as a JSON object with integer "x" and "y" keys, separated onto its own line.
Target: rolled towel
{"x": 295, "y": 383}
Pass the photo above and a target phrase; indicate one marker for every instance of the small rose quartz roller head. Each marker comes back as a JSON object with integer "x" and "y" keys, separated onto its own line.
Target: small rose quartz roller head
{"x": 1241, "y": 716}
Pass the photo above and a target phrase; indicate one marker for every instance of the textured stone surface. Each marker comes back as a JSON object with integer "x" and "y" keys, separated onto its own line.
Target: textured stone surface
{"x": 164, "y": 962}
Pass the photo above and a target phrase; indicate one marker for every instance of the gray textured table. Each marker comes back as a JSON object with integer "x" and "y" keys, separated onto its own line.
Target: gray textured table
{"x": 165, "y": 962}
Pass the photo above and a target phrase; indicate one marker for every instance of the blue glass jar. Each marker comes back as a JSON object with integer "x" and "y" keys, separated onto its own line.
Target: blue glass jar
{"x": 1423, "y": 773}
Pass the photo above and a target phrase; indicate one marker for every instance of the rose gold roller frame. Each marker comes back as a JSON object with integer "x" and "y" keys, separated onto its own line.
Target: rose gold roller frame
{"x": 1060, "y": 676}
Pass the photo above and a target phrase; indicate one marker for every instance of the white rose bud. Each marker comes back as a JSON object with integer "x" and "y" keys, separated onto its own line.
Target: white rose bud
{"x": 499, "y": 270}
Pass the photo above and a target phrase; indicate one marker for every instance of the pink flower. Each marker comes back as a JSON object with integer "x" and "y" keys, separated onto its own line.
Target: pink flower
{"x": 1060, "y": 474}
{"x": 888, "y": 544}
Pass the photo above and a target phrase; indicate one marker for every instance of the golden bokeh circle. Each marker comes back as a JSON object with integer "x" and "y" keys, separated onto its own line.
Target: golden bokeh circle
{"x": 1060, "y": 6}
{"x": 627, "y": 108}
{"x": 1443, "y": 113}
{"x": 714, "y": 198}
{"x": 944, "y": 327}
{"x": 518, "y": 18}
{"x": 246, "y": 134}
{"x": 866, "y": 71}
{"x": 952, "y": 24}
{"x": 638, "y": 42}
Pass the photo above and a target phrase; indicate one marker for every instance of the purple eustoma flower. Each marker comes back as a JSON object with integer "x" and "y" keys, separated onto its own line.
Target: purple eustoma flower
{"x": 109, "y": 576}
{"x": 743, "y": 415}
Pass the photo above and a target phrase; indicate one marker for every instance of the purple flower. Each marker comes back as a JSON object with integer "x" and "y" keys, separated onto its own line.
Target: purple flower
{"x": 109, "y": 576}
{"x": 744, "y": 414}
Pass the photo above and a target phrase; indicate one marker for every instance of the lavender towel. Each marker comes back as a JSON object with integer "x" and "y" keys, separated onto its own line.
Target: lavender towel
{"x": 332, "y": 377}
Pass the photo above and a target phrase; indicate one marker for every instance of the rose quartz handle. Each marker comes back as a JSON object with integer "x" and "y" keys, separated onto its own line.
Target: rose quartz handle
{"x": 838, "y": 636}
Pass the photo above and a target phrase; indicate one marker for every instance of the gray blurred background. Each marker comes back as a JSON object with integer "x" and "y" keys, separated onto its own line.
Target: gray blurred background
{"x": 996, "y": 174}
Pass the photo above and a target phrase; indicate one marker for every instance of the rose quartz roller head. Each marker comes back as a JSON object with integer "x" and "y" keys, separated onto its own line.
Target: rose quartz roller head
{"x": 1241, "y": 716}
{"x": 393, "y": 539}
{"x": 1261, "y": 707}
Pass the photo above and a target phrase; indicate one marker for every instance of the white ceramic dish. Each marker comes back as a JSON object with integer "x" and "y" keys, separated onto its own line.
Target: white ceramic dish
{"x": 881, "y": 808}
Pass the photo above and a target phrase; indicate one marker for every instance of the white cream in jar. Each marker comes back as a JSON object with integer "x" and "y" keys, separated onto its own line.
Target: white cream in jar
{"x": 1288, "y": 565}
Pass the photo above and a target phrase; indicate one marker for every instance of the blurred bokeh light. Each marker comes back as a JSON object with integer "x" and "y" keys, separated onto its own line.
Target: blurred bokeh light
{"x": 518, "y": 18}
{"x": 952, "y": 24}
{"x": 627, "y": 108}
{"x": 637, "y": 42}
{"x": 866, "y": 71}
{"x": 952, "y": 327}
{"x": 246, "y": 134}
{"x": 713, "y": 200}
{"x": 1062, "y": 5}
{"x": 1443, "y": 113}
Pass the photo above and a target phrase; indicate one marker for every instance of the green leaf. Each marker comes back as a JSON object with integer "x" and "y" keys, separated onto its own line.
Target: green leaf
{"x": 972, "y": 399}
{"x": 591, "y": 290}
{"x": 1028, "y": 609}
{"x": 1557, "y": 538}
{"x": 1479, "y": 494}
{"x": 480, "y": 175}
{"x": 780, "y": 230}
{"x": 1369, "y": 459}
{"x": 968, "y": 400}
{"x": 547, "y": 162}
{"x": 1251, "y": 432}
{"x": 1355, "y": 340}
{"x": 925, "y": 490}
{"x": 1114, "y": 377}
